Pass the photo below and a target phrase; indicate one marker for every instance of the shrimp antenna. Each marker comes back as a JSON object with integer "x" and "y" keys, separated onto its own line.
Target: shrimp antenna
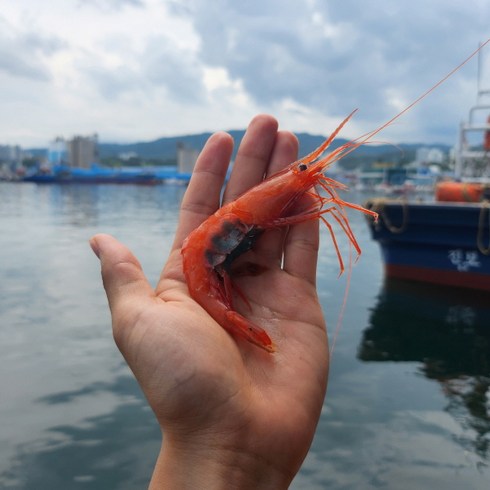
{"x": 349, "y": 147}
{"x": 422, "y": 96}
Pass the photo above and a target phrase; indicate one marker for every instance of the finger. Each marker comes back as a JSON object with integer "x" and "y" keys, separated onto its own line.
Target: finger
{"x": 123, "y": 278}
{"x": 253, "y": 156}
{"x": 270, "y": 246}
{"x": 301, "y": 250}
{"x": 285, "y": 152}
{"x": 202, "y": 197}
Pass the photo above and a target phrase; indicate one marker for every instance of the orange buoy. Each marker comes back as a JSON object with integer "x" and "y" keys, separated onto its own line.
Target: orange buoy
{"x": 459, "y": 191}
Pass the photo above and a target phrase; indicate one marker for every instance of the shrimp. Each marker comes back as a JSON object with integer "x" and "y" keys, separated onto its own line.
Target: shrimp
{"x": 209, "y": 251}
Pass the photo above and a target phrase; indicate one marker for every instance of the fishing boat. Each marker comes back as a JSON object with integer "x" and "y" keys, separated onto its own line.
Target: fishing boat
{"x": 446, "y": 241}
{"x": 65, "y": 174}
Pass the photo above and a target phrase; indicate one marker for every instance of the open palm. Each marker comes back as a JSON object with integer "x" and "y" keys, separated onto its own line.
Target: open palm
{"x": 224, "y": 403}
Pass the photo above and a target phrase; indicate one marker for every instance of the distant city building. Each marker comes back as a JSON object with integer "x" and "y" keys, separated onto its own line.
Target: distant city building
{"x": 127, "y": 155}
{"x": 429, "y": 155}
{"x": 57, "y": 151}
{"x": 80, "y": 151}
{"x": 186, "y": 158}
{"x": 11, "y": 154}
{"x": 83, "y": 151}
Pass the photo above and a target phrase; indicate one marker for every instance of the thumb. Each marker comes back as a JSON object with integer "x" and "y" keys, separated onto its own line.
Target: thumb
{"x": 122, "y": 275}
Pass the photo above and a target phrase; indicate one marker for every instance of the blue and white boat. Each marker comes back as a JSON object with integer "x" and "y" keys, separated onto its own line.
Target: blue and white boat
{"x": 446, "y": 241}
{"x": 440, "y": 243}
{"x": 96, "y": 174}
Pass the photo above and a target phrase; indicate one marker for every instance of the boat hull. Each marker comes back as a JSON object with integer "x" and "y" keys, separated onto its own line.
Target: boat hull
{"x": 93, "y": 179}
{"x": 62, "y": 174}
{"x": 438, "y": 243}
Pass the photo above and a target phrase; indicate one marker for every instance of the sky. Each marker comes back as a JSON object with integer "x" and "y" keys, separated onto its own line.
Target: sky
{"x": 137, "y": 70}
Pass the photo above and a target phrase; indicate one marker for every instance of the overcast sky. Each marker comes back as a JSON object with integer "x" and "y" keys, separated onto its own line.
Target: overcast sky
{"x": 136, "y": 70}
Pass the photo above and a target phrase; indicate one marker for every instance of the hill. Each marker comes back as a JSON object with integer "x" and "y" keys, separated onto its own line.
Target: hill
{"x": 165, "y": 149}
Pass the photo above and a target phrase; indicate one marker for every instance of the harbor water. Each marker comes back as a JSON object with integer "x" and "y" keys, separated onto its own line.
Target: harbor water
{"x": 408, "y": 401}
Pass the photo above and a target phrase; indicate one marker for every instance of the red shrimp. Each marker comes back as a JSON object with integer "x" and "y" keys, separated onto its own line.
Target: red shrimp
{"x": 210, "y": 249}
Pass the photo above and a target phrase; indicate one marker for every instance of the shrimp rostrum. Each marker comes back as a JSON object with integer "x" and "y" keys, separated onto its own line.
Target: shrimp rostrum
{"x": 209, "y": 251}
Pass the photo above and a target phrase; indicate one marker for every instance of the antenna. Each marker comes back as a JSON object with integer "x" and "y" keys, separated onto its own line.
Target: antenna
{"x": 480, "y": 90}
{"x": 478, "y": 74}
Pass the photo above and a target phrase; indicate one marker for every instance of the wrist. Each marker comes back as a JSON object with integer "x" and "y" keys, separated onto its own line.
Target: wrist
{"x": 188, "y": 467}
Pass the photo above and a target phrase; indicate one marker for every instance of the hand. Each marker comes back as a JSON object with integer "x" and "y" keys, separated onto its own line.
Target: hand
{"x": 233, "y": 415}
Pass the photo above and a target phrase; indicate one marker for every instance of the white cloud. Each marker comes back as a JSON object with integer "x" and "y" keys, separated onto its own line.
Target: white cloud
{"x": 140, "y": 69}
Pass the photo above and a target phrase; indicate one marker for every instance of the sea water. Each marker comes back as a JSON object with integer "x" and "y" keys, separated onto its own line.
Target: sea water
{"x": 408, "y": 399}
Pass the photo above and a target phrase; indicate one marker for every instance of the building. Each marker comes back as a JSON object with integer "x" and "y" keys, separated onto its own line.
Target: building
{"x": 429, "y": 155}
{"x": 11, "y": 154}
{"x": 83, "y": 151}
{"x": 186, "y": 158}
{"x": 80, "y": 151}
{"x": 57, "y": 152}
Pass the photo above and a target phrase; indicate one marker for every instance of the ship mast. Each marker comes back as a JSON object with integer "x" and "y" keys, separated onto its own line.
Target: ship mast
{"x": 473, "y": 163}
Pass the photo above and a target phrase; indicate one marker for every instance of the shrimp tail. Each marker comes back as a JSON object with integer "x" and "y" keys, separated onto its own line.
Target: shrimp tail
{"x": 240, "y": 326}
{"x": 216, "y": 299}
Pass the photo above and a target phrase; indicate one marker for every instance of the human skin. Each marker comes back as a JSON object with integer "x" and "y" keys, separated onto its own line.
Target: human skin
{"x": 232, "y": 415}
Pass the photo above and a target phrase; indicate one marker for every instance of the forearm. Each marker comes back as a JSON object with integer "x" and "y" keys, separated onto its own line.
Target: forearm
{"x": 200, "y": 468}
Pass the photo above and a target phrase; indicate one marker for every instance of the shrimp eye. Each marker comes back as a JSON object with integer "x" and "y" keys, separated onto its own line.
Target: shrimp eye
{"x": 302, "y": 167}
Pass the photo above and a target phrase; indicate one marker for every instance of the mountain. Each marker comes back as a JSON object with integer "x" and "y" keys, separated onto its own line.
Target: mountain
{"x": 166, "y": 148}
{"x": 162, "y": 148}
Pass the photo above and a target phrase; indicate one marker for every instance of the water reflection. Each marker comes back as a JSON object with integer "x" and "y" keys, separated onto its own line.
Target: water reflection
{"x": 116, "y": 449}
{"x": 83, "y": 205}
{"x": 448, "y": 332}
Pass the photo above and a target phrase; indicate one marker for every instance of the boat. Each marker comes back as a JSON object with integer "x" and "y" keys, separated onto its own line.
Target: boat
{"x": 440, "y": 243}
{"x": 447, "y": 240}
{"x": 96, "y": 174}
